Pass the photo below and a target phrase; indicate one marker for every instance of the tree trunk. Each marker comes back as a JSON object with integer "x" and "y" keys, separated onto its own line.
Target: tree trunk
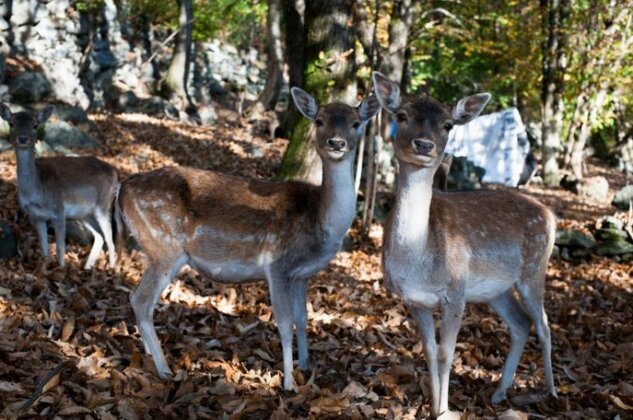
{"x": 399, "y": 27}
{"x": 328, "y": 74}
{"x": 293, "y": 18}
{"x": 555, "y": 14}
{"x": 393, "y": 65}
{"x": 588, "y": 121}
{"x": 366, "y": 34}
{"x": 604, "y": 71}
{"x": 175, "y": 84}
{"x": 274, "y": 79}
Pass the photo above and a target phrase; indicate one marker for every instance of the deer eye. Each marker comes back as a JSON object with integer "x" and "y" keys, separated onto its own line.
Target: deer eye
{"x": 401, "y": 117}
{"x": 356, "y": 125}
{"x": 448, "y": 126}
{"x": 10, "y": 124}
{"x": 35, "y": 126}
{"x": 319, "y": 122}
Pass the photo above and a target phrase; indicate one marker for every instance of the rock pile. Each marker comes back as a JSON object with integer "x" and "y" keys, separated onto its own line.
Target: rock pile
{"x": 623, "y": 198}
{"x": 609, "y": 237}
{"x": 95, "y": 57}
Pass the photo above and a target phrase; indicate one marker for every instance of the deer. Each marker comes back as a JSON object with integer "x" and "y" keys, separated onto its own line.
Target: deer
{"x": 442, "y": 250}
{"x": 235, "y": 230}
{"x": 60, "y": 188}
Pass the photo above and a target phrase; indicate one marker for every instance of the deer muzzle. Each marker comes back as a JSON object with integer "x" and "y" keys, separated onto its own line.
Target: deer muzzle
{"x": 423, "y": 147}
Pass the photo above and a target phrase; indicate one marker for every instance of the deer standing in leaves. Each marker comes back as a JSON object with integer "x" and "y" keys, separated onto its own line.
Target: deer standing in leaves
{"x": 446, "y": 249}
{"x": 237, "y": 230}
{"x": 55, "y": 189}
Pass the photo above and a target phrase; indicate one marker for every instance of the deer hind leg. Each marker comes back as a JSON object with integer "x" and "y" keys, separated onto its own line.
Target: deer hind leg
{"x": 300, "y": 315}
{"x": 424, "y": 318}
{"x": 510, "y": 310}
{"x": 144, "y": 298}
{"x": 60, "y": 239}
{"x": 452, "y": 313}
{"x": 97, "y": 244}
{"x": 42, "y": 235}
{"x": 281, "y": 295}
{"x": 105, "y": 224}
{"x": 532, "y": 297}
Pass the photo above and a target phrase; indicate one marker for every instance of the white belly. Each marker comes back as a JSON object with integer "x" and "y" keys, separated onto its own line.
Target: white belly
{"x": 484, "y": 289}
{"x": 229, "y": 271}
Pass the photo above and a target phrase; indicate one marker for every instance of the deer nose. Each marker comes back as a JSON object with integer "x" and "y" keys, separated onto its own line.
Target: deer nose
{"x": 336, "y": 143}
{"x": 23, "y": 139}
{"x": 423, "y": 146}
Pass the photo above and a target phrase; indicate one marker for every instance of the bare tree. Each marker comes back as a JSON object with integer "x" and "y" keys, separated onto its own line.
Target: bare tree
{"x": 274, "y": 78}
{"x": 175, "y": 83}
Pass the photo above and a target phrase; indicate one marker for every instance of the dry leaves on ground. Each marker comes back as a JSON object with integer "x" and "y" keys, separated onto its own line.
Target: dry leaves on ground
{"x": 69, "y": 347}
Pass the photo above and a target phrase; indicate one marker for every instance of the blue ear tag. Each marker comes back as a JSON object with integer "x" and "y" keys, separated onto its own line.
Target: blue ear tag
{"x": 394, "y": 129}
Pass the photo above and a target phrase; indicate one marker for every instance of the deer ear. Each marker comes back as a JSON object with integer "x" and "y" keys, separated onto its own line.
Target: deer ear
{"x": 5, "y": 112}
{"x": 44, "y": 114}
{"x": 306, "y": 104}
{"x": 468, "y": 108}
{"x": 368, "y": 108}
{"x": 388, "y": 92}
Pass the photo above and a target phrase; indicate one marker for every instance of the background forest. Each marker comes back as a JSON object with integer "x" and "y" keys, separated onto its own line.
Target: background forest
{"x": 205, "y": 83}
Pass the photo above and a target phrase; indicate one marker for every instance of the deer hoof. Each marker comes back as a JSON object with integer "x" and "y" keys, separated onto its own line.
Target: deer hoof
{"x": 498, "y": 397}
{"x": 165, "y": 374}
{"x": 449, "y": 415}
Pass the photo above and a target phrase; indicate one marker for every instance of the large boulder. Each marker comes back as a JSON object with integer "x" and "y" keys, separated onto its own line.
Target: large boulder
{"x": 60, "y": 136}
{"x": 574, "y": 239}
{"x": 619, "y": 247}
{"x": 159, "y": 107}
{"x": 73, "y": 114}
{"x": 29, "y": 87}
{"x": 623, "y": 198}
{"x": 464, "y": 175}
{"x": 596, "y": 187}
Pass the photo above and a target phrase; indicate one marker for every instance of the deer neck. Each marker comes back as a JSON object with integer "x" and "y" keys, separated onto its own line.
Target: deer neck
{"x": 337, "y": 204}
{"x": 410, "y": 222}
{"x": 28, "y": 178}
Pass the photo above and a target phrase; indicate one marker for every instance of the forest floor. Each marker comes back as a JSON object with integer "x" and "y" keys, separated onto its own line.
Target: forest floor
{"x": 69, "y": 346}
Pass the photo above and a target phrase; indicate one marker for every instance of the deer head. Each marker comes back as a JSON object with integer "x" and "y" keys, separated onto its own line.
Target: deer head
{"x": 338, "y": 126}
{"x": 424, "y": 124}
{"x": 24, "y": 125}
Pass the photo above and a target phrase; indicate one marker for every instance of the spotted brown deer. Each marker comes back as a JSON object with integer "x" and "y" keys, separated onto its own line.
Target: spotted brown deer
{"x": 446, "y": 249}
{"x": 56, "y": 189}
{"x": 237, "y": 230}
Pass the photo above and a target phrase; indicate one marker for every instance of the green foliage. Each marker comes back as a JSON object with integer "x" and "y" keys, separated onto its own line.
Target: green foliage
{"x": 162, "y": 12}
{"x": 89, "y": 6}
{"x": 477, "y": 47}
{"x": 234, "y": 20}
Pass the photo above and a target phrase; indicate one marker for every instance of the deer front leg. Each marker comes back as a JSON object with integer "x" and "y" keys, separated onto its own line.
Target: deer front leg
{"x": 281, "y": 297}
{"x": 452, "y": 313}
{"x": 300, "y": 291}
{"x": 42, "y": 235}
{"x": 512, "y": 313}
{"x": 144, "y": 298}
{"x": 60, "y": 239}
{"x": 424, "y": 318}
